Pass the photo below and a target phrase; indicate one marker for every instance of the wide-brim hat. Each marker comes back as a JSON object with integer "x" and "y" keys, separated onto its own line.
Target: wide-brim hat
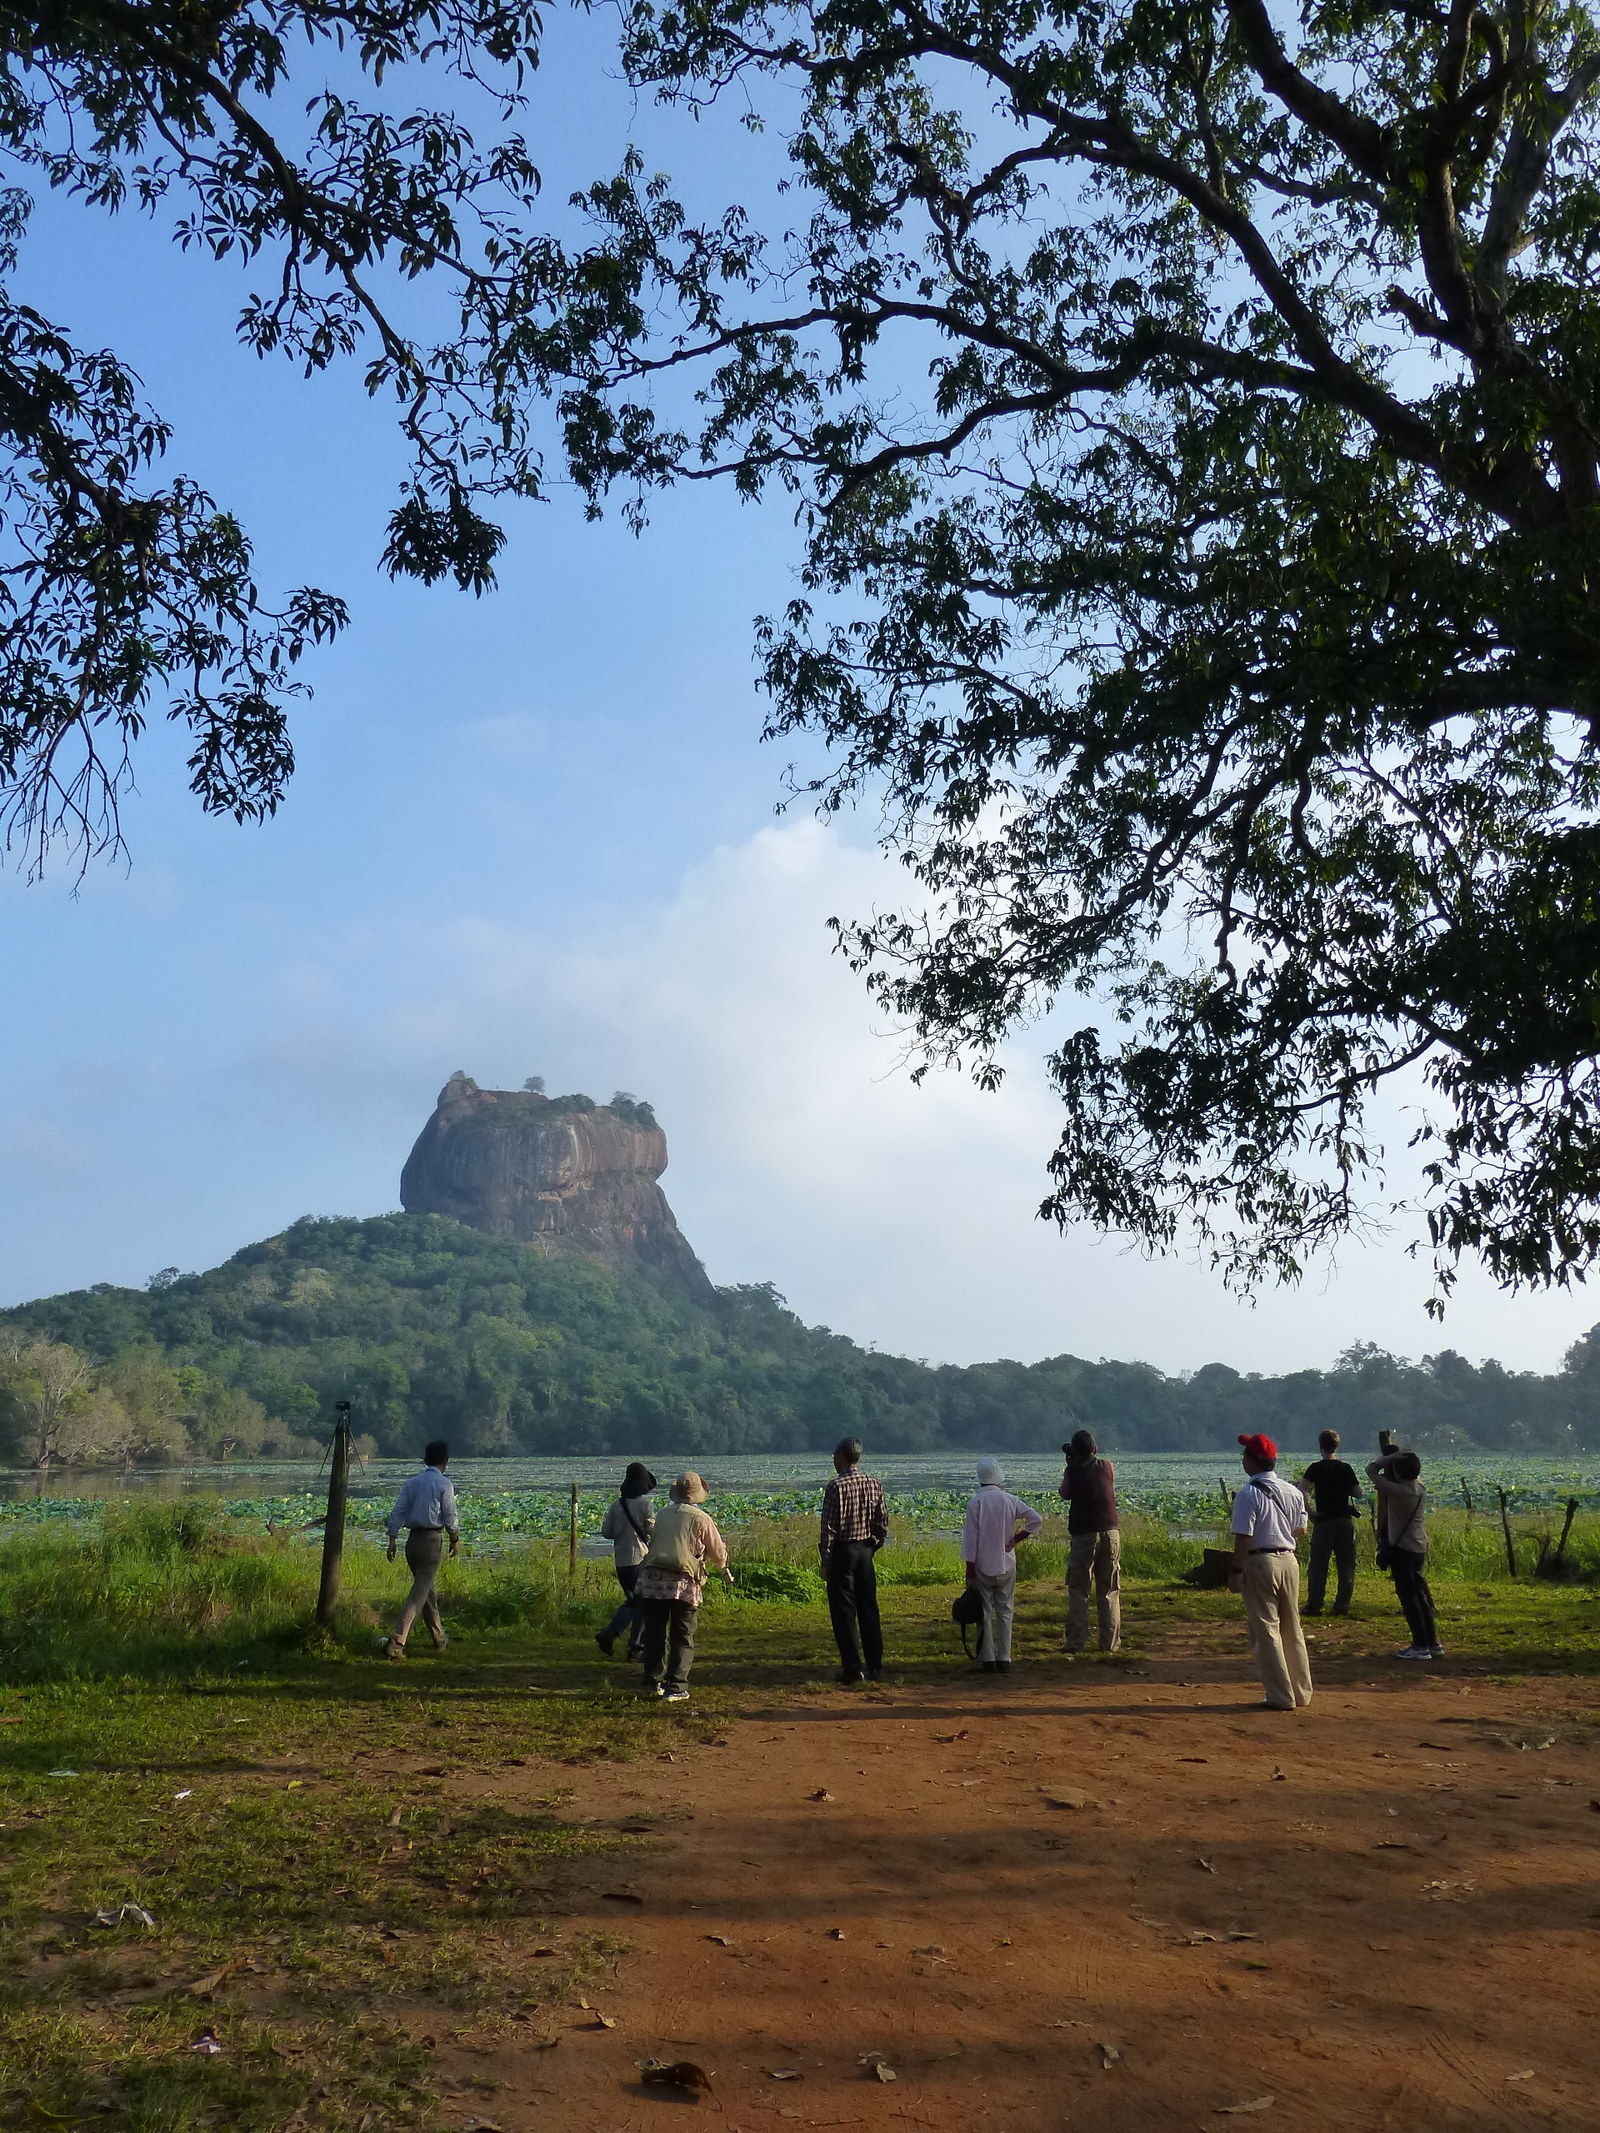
{"x": 689, "y": 1488}
{"x": 638, "y": 1480}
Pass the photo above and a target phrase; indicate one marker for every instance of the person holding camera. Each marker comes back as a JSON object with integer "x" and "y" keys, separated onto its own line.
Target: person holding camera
{"x": 1268, "y": 1516}
{"x": 1094, "y": 1543}
{"x": 1403, "y": 1542}
{"x": 855, "y": 1525}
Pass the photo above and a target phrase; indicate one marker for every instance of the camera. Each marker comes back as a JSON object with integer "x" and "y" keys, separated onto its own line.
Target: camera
{"x": 1386, "y": 1441}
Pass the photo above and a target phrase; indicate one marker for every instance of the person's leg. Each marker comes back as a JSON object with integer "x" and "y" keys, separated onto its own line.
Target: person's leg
{"x": 423, "y": 1551}
{"x": 842, "y": 1611}
{"x": 625, "y": 1618}
{"x": 1317, "y": 1565}
{"x": 866, "y": 1585}
{"x": 1080, "y": 1556}
{"x": 1344, "y": 1555}
{"x": 1286, "y": 1574}
{"x": 1005, "y": 1603}
{"x": 685, "y": 1619}
{"x": 1261, "y": 1612}
{"x": 1108, "y": 1587}
{"x": 654, "y": 1616}
{"x": 1409, "y": 1585}
{"x": 985, "y": 1587}
{"x": 1427, "y": 1619}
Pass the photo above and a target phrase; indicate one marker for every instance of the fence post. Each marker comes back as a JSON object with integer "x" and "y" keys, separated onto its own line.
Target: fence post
{"x": 333, "y": 1524}
{"x": 572, "y": 1538}
{"x": 1466, "y": 1495}
{"x": 1505, "y": 1526}
{"x": 1222, "y": 1491}
{"x": 1561, "y": 1545}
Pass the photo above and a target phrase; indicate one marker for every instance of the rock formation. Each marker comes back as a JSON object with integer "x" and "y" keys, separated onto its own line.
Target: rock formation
{"x": 559, "y": 1173}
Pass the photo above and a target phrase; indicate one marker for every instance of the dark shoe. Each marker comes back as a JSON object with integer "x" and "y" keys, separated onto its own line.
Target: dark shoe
{"x": 848, "y": 1681}
{"x": 989, "y": 1666}
{"x": 1002, "y": 1666}
{"x": 1305, "y": 1611}
{"x": 874, "y": 1673}
{"x": 605, "y": 1641}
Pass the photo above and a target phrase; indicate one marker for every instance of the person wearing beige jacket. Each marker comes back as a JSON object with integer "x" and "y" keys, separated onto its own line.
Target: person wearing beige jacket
{"x": 669, "y": 1586}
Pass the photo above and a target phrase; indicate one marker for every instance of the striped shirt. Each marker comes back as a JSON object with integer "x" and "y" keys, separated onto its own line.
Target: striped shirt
{"x": 852, "y": 1510}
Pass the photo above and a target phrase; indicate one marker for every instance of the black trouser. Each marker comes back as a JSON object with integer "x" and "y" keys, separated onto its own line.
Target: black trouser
{"x": 669, "y": 1627}
{"x": 627, "y": 1615}
{"x": 852, "y": 1599}
{"x": 1335, "y": 1537}
{"x": 1416, "y": 1601}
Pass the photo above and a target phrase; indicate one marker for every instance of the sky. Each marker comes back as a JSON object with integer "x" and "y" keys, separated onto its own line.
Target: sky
{"x": 537, "y": 834}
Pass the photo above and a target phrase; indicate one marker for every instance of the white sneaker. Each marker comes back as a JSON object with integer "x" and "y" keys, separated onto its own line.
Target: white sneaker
{"x": 1415, "y": 1651}
{"x": 675, "y": 1695}
{"x": 654, "y": 1688}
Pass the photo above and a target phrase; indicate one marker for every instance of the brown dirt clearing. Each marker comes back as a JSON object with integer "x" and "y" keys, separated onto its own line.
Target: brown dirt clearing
{"x": 1379, "y": 1912}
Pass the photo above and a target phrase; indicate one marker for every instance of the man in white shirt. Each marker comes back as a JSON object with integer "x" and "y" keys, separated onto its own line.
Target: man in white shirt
{"x": 427, "y": 1505}
{"x": 1267, "y": 1517}
{"x": 996, "y": 1521}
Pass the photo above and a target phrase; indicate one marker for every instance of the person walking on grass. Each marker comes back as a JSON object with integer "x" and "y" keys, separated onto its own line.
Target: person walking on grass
{"x": 1267, "y": 1516}
{"x": 1335, "y": 1495}
{"x": 1094, "y": 1543}
{"x": 996, "y": 1521}
{"x": 628, "y": 1524}
{"x": 426, "y": 1505}
{"x": 1402, "y": 1507}
{"x": 668, "y": 1587}
{"x": 855, "y": 1525}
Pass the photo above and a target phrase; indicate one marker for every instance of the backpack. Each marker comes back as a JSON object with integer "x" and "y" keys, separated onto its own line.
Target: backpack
{"x": 966, "y": 1610}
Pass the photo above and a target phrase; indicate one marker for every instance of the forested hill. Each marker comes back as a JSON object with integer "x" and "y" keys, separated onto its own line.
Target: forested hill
{"x": 429, "y": 1327}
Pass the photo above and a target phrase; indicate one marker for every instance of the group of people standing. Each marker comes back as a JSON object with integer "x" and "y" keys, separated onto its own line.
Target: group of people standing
{"x": 662, "y": 1559}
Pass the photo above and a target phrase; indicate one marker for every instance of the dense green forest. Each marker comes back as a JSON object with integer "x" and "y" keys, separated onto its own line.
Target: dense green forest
{"x": 431, "y": 1328}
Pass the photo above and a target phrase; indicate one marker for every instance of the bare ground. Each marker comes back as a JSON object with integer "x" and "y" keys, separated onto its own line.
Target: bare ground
{"x": 1381, "y": 1912}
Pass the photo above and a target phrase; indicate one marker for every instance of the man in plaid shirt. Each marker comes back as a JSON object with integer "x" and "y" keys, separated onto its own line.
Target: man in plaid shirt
{"x": 855, "y": 1526}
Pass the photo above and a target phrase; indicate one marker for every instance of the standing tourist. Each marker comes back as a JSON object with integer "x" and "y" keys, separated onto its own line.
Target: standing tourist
{"x": 1094, "y": 1543}
{"x": 426, "y": 1505}
{"x": 855, "y": 1526}
{"x": 1267, "y": 1516}
{"x": 628, "y": 1524}
{"x": 1402, "y": 1504}
{"x": 996, "y": 1521}
{"x": 668, "y": 1587}
{"x": 1335, "y": 1494}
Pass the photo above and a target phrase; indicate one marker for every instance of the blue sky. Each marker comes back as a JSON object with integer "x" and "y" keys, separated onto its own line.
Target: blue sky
{"x": 535, "y": 833}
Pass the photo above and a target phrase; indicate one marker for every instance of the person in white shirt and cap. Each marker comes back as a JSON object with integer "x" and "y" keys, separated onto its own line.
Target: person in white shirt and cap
{"x": 1268, "y": 1516}
{"x": 996, "y": 1521}
{"x": 426, "y": 1505}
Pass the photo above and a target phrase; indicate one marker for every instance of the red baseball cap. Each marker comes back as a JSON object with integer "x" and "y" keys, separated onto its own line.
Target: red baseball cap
{"x": 1260, "y": 1447}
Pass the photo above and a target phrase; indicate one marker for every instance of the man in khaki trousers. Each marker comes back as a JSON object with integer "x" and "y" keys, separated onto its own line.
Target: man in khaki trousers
{"x": 1267, "y": 1517}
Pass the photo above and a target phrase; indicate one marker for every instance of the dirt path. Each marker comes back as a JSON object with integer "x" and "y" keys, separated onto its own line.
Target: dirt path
{"x": 1381, "y": 1912}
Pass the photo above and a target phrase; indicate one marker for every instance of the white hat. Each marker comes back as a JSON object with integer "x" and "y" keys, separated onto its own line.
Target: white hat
{"x": 990, "y": 1471}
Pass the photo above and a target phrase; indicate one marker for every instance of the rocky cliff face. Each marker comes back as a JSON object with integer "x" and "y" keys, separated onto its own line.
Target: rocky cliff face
{"x": 525, "y": 1166}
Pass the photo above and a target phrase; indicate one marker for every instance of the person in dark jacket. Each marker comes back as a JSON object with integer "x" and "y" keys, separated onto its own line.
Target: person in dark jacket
{"x": 1094, "y": 1543}
{"x": 628, "y": 1524}
{"x": 1334, "y": 1493}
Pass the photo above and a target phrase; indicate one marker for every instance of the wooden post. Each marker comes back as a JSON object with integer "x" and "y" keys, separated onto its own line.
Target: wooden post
{"x": 1561, "y": 1545}
{"x": 1505, "y": 1524}
{"x": 1222, "y": 1491}
{"x": 333, "y": 1524}
{"x": 572, "y": 1538}
{"x": 1466, "y": 1496}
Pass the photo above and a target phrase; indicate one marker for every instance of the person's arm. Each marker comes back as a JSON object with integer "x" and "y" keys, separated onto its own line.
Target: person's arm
{"x": 716, "y": 1548}
{"x": 397, "y": 1517}
{"x": 1024, "y": 1526}
{"x": 880, "y": 1517}
{"x": 449, "y": 1516}
{"x": 1242, "y": 1536}
{"x": 1065, "y": 1490}
{"x": 969, "y": 1541}
{"x": 609, "y": 1529}
{"x": 828, "y": 1538}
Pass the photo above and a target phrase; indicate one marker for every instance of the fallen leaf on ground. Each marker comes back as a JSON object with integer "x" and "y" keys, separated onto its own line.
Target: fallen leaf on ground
{"x": 204, "y": 1986}
{"x": 1065, "y": 1796}
{"x": 61, "y": 1773}
{"x": 1239, "y": 2110}
{"x": 784, "y": 2073}
{"x": 186, "y": 1794}
{"x": 820, "y": 1794}
{"x": 1195, "y": 1939}
{"x": 394, "y": 1818}
{"x": 1109, "y": 2055}
{"x": 1205, "y": 1866}
{"x": 836, "y": 1932}
{"x": 884, "y": 2073}
{"x": 135, "y": 1911}
{"x": 619, "y": 1896}
{"x": 602, "y": 2021}
{"x": 1525, "y": 2075}
{"x": 721, "y": 1940}
{"x": 1239, "y": 1934}
{"x": 12, "y": 1718}
{"x": 946, "y": 1738}
{"x": 1279, "y": 1774}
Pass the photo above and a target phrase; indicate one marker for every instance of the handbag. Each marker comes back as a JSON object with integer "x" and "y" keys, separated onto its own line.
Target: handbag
{"x": 966, "y": 1611}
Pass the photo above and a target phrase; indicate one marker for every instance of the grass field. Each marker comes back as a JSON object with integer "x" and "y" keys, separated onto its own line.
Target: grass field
{"x": 307, "y": 1830}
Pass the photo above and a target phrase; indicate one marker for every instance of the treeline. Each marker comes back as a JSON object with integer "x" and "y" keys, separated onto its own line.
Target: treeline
{"x": 430, "y": 1328}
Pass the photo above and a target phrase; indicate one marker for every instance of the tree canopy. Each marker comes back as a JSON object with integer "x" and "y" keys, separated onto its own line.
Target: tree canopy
{"x": 121, "y": 597}
{"x": 1194, "y": 411}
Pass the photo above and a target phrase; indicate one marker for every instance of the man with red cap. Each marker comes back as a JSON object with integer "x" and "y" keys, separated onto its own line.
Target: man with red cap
{"x": 1267, "y": 1517}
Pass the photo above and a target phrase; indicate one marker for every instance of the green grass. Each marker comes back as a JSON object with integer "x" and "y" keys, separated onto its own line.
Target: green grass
{"x": 342, "y": 1854}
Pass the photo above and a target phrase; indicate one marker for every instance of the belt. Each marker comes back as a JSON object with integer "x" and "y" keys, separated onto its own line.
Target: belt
{"x": 427, "y": 1529}
{"x": 1272, "y": 1551}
